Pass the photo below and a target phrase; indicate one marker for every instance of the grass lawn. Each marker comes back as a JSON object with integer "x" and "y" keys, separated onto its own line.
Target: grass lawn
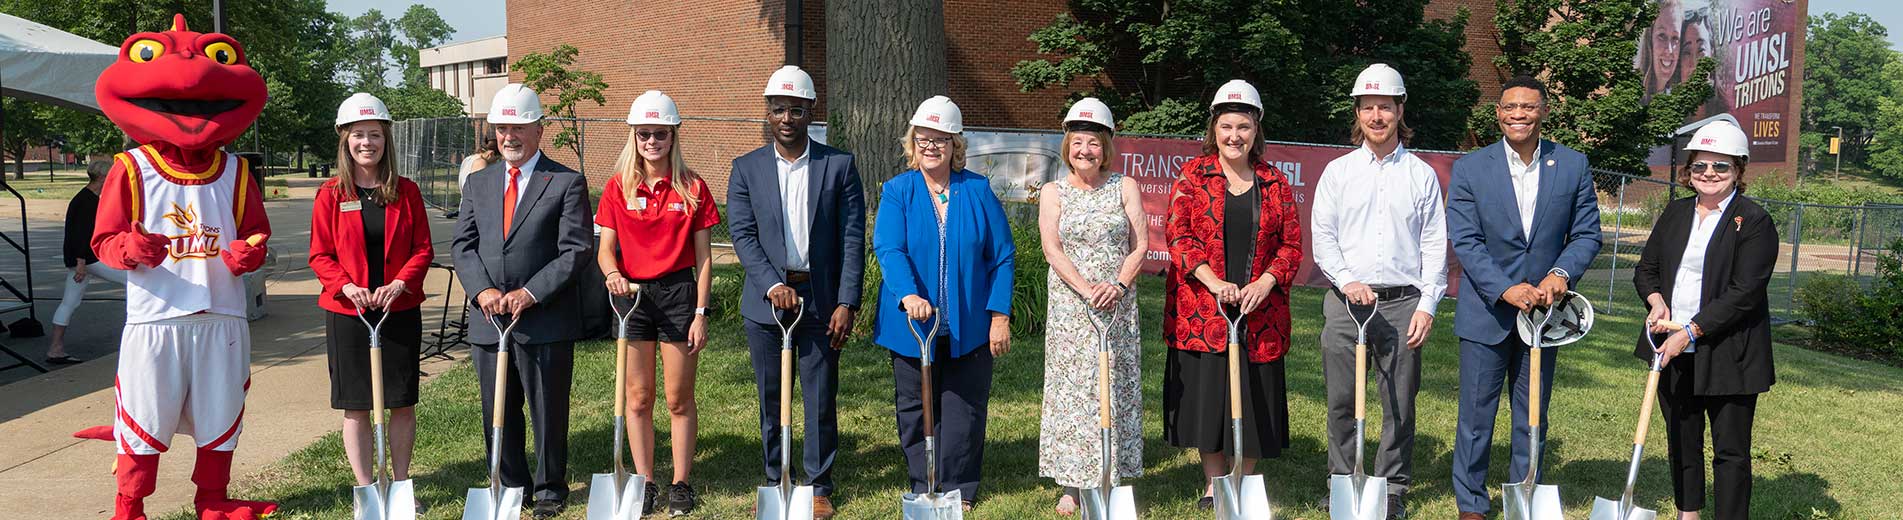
{"x": 1821, "y": 436}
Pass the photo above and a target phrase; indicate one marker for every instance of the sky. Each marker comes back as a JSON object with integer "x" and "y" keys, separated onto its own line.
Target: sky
{"x": 473, "y": 19}
{"x": 1886, "y": 12}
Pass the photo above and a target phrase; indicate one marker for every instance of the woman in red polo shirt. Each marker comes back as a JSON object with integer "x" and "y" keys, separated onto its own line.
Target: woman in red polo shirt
{"x": 659, "y": 213}
{"x": 370, "y": 248}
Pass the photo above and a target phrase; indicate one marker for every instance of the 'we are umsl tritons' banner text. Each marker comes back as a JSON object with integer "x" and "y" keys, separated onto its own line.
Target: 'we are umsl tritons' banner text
{"x": 1755, "y": 43}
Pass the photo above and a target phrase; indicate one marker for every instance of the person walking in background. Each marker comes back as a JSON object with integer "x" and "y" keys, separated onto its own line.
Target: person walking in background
{"x": 80, "y": 260}
{"x": 799, "y": 227}
{"x": 945, "y": 250}
{"x": 1706, "y": 266}
{"x": 1093, "y": 234}
{"x": 655, "y": 217}
{"x": 1379, "y": 235}
{"x": 475, "y": 162}
{"x": 1520, "y": 212}
{"x": 1235, "y": 241}
{"x": 370, "y": 249}
{"x": 517, "y": 249}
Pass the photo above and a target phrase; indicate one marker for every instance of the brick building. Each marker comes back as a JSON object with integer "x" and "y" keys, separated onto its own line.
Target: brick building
{"x": 714, "y": 57}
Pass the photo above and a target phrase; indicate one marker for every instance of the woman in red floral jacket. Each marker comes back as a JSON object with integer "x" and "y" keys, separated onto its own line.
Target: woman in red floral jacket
{"x": 1234, "y": 240}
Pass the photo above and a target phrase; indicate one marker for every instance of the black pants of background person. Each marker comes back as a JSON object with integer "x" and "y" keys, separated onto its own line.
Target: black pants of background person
{"x": 541, "y": 376}
{"x": 963, "y": 385}
{"x": 1685, "y": 418}
{"x": 817, "y": 370}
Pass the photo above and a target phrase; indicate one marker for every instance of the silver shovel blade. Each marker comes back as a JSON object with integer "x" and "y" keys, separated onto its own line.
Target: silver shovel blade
{"x": 1539, "y": 503}
{"x": 366, "y": 502}
{"x": 770, "y": 504}
{"x": 480, "y": 504}
{"x": 1120, "y": 505}
{"x": 605, "y": 504}
{"x": 400, "y": 502}
{"x": 948, "y": 506}
{"x": 1603, "y": 509}
{"x": 1346, "y": 501}
{"x": 1243, "y": 500}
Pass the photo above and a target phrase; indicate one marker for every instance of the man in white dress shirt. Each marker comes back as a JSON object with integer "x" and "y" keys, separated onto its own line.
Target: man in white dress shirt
{"x": 1379, "y": 236}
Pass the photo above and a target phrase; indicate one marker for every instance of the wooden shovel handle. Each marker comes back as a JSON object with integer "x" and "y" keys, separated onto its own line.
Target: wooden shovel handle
{"x": 1645, "y": 407}
{"x": 501, "y": 388}
{"x": 1235, "y": 381}
{"x": 1533, "y": 389}
{"x": 1361, "y": 380}
{"x": 376, "y": 386}
{"x": 786, "y": 388}
{"x": 1103, "y": 389}
{"x": 621, "y": 376}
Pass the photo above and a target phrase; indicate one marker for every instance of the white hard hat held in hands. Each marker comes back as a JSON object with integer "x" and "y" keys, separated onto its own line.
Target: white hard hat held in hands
{"x": 1090, "y": 110}
{"x": 939, "y": 113}
{"x": 515, "y": 105}
{"x": 1723, "y": 137}
{"x": 792, "y": 82}
{"x": 1379, "y": 80}
{"x": 1238, "y": 92}
{"x": 362, "y": 107}
{"x": 654, "y": 108}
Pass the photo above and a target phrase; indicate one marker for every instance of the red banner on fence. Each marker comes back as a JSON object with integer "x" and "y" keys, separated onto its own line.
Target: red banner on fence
{"x": 1155, "y": 164}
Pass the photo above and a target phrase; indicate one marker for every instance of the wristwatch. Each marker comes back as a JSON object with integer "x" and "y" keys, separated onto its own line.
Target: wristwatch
{"x": 700, "y": 311}
{"x": 1560, "y": 273}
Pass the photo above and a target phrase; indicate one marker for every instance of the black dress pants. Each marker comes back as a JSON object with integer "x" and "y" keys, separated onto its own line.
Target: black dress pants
{"x": 963, "y": 385}
{"x": 540, "y": 375}
{"x": 1730, "y": 418}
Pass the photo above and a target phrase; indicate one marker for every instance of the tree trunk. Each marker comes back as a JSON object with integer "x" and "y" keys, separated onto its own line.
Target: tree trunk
{"x": 883, "y": 57}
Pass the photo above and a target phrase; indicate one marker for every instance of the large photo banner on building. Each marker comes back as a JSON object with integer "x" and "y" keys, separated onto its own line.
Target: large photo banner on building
{"x": 1754, "y": 43}
{"x": 1155, "y": 164}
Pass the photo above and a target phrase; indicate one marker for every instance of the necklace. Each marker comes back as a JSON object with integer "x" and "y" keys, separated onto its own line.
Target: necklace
{"x": 942, "y": 195}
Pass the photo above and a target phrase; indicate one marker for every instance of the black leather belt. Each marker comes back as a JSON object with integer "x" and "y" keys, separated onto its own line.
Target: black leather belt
{"x": 798, "y": 276}
{"x": 1392, "y": 293}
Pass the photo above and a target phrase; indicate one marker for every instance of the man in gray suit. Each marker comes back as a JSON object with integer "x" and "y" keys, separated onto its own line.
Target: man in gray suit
{"x": 798, "y": 220}
{"x": 523, "y": 231}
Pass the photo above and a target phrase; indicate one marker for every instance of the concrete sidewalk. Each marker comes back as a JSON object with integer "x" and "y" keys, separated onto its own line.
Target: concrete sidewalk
{"x": 46, "y": 471}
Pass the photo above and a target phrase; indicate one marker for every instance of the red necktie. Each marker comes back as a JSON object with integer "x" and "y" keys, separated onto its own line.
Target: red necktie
{"x": 508, "y": 200}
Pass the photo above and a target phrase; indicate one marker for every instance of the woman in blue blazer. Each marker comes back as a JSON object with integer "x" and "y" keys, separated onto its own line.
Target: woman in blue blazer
{"x": 944, "y": 247}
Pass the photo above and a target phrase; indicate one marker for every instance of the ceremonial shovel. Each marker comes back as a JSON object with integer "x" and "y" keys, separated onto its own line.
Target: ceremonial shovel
{"x": 1623, "y": 508}
{"x": 1238, "y": 496}
{"x": 619, "y": 495}
{"x": 930, "y": 505}
{"x": 786, "y": 501}
{"x": 384, "y": 499}
{"x": 1107, "y": 501}
{"x": 496, "y": 502}
{"x": 1356, "y": 496}
{"x": 1528, "y": 499}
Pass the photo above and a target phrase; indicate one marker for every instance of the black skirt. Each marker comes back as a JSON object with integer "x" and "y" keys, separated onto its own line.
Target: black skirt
{"x": 1196, "y": 404}
{"x": 348, "y": 347}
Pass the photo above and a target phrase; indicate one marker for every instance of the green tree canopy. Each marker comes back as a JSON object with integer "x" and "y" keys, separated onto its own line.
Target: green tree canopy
{"x": 1156, "y": 62}
{"x": 1844, "y": 83}
{"x": 555, "y": 74}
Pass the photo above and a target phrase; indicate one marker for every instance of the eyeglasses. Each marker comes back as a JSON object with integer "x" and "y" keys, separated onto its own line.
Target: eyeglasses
{"x": 931, "y": 142}
{"x": 1518, "y": 107}
{"x": 657, "y": 135}
{"x": 1713, "y": 166}
{"x": 792, "y": 112}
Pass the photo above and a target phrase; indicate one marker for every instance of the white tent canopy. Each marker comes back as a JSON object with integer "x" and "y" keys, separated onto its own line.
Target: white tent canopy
{"x": 49, "y": 65}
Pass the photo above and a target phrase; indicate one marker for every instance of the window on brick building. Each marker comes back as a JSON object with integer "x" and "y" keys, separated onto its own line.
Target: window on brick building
{"x": 493, "y": 66}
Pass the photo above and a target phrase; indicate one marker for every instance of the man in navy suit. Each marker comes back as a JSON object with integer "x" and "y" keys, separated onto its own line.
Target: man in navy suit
{"x": 798, "y": 219}
{"x": 1524, "y": 222}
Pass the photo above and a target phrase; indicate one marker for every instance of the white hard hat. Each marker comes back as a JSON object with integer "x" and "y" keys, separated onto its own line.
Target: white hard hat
{"x": 1090, "y": 110}
{"x": 654, "y": 108}
{"x": 939, "y": 113}
{"x": 1379, "y": 80}
{"x": 1723, "y": 137}
{"x": 791, "y": 81}
{"x": 362, "y": 107}
{"x": 515, "y": 105}
{"x": 1238, "y": 91}
{"x": 1572, "y": 318}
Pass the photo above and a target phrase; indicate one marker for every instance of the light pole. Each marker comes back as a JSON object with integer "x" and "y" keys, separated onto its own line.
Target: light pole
{"x": 1837, "y": 171}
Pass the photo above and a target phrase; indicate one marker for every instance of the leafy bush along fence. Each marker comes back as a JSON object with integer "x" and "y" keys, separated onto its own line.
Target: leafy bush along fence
{"x": 1846, "y": 315}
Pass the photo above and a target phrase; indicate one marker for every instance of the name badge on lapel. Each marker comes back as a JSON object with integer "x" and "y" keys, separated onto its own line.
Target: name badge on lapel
{"x": 349, "y": 206}
{"x": 639, "y": 203}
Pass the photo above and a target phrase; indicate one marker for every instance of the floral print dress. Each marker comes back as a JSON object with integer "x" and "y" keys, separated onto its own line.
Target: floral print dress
{"x": 1096, "y": 236}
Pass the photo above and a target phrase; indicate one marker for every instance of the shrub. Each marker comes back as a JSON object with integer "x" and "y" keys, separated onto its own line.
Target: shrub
{"x": 1030, "y": 295}
{"x": 1845, "y": 315}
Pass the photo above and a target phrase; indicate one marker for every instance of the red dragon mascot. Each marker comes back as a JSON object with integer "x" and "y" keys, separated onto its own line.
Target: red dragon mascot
{"x": 185, "y": 219}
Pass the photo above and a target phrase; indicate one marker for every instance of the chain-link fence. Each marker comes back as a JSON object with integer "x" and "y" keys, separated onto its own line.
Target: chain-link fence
{"x": 1814, "y": 239}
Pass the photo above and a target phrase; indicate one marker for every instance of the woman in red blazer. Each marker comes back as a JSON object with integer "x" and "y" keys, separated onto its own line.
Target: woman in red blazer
{"x": 370, "y": 247}
{"x": 1235, "y": 242}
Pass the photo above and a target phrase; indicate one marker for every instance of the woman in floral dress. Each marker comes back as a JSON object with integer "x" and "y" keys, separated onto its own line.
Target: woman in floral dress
{"x": 1090, "y": 222}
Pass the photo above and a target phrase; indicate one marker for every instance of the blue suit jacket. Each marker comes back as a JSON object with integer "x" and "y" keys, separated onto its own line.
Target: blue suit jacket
{"x": 980, "y": 260}
{"x": 1483, "y": 223}
{"x": 836, "y": 248}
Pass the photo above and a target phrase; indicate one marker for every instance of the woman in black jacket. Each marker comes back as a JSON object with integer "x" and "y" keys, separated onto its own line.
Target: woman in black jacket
{"x": 1706, "y": 266}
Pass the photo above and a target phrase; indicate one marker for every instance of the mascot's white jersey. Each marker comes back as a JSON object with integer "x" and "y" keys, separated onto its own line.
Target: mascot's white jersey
{"x": 200, "y": 219}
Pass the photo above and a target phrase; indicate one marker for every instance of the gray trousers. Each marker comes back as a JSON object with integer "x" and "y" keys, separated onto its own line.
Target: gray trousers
{"x": 1396, "y": 368}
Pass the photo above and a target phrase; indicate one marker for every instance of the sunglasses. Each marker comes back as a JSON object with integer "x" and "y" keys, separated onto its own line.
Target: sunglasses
{"x": 657, "y": 135}
{"x": 1713, "y": 166}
